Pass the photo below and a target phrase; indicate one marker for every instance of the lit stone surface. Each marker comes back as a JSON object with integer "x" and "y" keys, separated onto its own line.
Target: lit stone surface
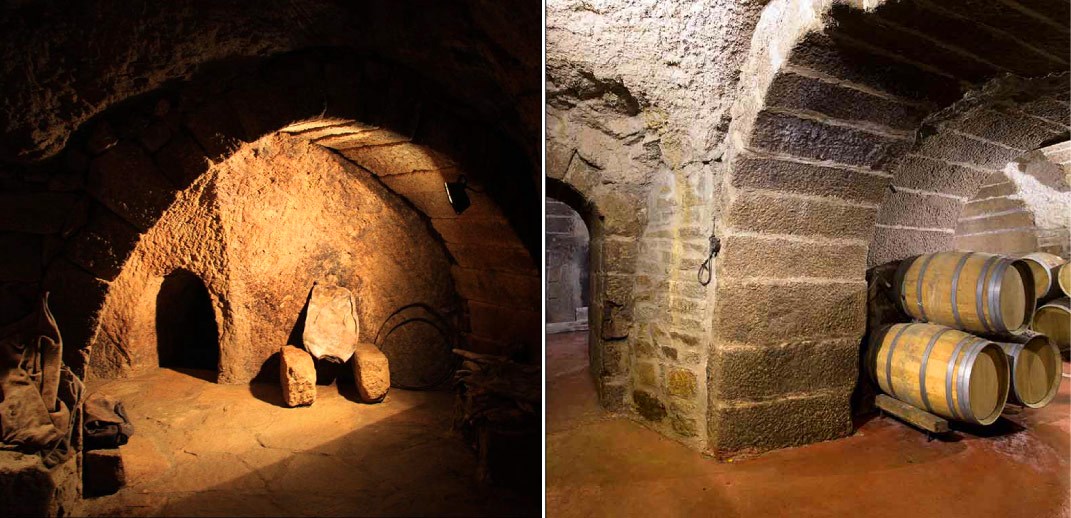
{"x": 297, "y": 374}
{"x": 371, "y": 372}
{"x": 331, "y": 325}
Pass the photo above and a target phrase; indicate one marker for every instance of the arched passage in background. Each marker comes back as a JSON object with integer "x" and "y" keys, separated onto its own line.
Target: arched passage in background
{"x": 125, "y": 168}
{"x": 608, "y": 353}
{"x": 859, "y": 135}
{"x": 567, "y": 278}
{"x": 186, "y": 331}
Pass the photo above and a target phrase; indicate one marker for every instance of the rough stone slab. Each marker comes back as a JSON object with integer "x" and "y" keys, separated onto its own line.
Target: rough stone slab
{"x": 929, "y": 174}
{"x": 36, "y": 212}
{"x": 371, "y": 372}
{"x": 331, "y": 326}
{"x": 476, "y": 231}
{"x": 504, "y": 323}
{"x": 772, "y": 257}
{"x": 102, "y": 472}
{"x": 790, "y": 311}
{"x": 1014, "y": 21}
{"x": 959, "y": 148}
{"x": 27, "y": 488}
{"x": 497, "y": 258}
{"x": 772, "y": 213}
{"x": 805, "y": 138}
{"x": 399, "y": 158}
{"x": 297, "y": 375}
{"x": 978, "y": 208}
{"x": 840, "y": 59}
{"x": 499, "y": 288}
{"x": 996, "y": 48}
{"x": 1007, "y": 128}
{"x": 126, "y": 180}
{"x": 20, "y": 257}
{"x": 919, "y": 210}
{"x": 753, "y": 373}
{"x": 894, "y": 244}
{"x": 408, "y": 184}
{"x": 781, "y": 422}
{"x": 769, "y": 173}
{"x": 1003, "y": 221}
{"x": 103, "y": 244}
{"x": 1020, "y": 241}
{"x": 864, "y": 26}
{"x": 798, "y": 92}
{"x": 995, "y": 190}
{"x": 648, "y": 405}
{"x": 1047, "y": 108}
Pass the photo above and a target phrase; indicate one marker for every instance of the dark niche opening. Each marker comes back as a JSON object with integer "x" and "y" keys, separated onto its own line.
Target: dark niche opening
{"x": 186, "y": 333}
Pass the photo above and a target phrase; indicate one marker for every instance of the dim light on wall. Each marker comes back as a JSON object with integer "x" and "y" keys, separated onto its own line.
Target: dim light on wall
{"x": 456, "y": 195}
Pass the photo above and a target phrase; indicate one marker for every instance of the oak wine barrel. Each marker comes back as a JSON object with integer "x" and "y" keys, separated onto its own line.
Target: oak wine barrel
{"x": 940, "y": 370}
{"x": 1044, "y": 267}
{"x": 1063, "y": 279}
{"x": 1035, "y": 371}
{"x": 1054, "y": 320}
{"x": 973, "y": 291}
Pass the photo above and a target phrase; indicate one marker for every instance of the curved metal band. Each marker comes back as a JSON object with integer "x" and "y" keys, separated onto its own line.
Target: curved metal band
{"x": 949, "y": 374}
{"x": 955, "y": 288}
{"x": 1016, "y": 349}
{"x": 888, "y": 359}
{"x": 993, "y": 297}
{"x": 918, "y": 286}
{"x": 965, "y": 380}
{"x": 922, "y": 368}
{"x": 978, "y": 291}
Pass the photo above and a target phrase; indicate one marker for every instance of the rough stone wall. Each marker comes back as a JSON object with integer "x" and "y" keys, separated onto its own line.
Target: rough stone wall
{"x": 567, "y": 263}
{"x": 834, "y": 160}
{"x": 260, "y": 228}
{"x": 961, "y": 154}
{"x": 74, "y": 220}
{"x": 815, "y": 139}
{"x": 65, "y": 64}
{"x": 638, "y": 99}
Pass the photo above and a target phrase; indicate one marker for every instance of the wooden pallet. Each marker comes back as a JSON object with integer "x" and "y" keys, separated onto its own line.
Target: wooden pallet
{"x": 922, "y": 419}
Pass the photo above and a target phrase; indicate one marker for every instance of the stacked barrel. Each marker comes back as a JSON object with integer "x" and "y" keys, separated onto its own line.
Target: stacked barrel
{"x": 1052, "y": 278}
{"x": 969, "y": 350}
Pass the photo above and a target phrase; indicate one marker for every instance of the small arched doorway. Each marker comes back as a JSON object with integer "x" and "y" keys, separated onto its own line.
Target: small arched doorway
{"x": 186, "y": 333}
{"x": 568, "y": 291}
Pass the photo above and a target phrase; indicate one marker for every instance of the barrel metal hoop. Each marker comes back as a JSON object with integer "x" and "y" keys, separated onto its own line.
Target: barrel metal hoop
{"x": 1016, "y": 349}
{"x": 918, "y": 286}
{"x": 949, "y": 375}
{"x": 922, "y": 367}
{"x": 993, "y": 297}
{"x": 965, "y": 379}
{"x": 978, "y": 301}
{"x": 955, "y": 289}
{"x": 888, "y": 360}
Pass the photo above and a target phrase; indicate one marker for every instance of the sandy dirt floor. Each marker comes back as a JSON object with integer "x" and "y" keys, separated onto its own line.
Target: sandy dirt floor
{"x": 232, "y": 450}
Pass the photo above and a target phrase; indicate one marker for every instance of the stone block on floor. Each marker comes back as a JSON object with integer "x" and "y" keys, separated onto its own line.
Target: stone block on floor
{"x": 102, "y": 472}
{"x": 297, "y": 374}
{"x": 371, "y": 372}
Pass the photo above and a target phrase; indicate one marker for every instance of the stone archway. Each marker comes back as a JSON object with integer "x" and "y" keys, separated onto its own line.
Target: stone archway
{"x": 850, "y": 119}
{"x": 379, "y": 117}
